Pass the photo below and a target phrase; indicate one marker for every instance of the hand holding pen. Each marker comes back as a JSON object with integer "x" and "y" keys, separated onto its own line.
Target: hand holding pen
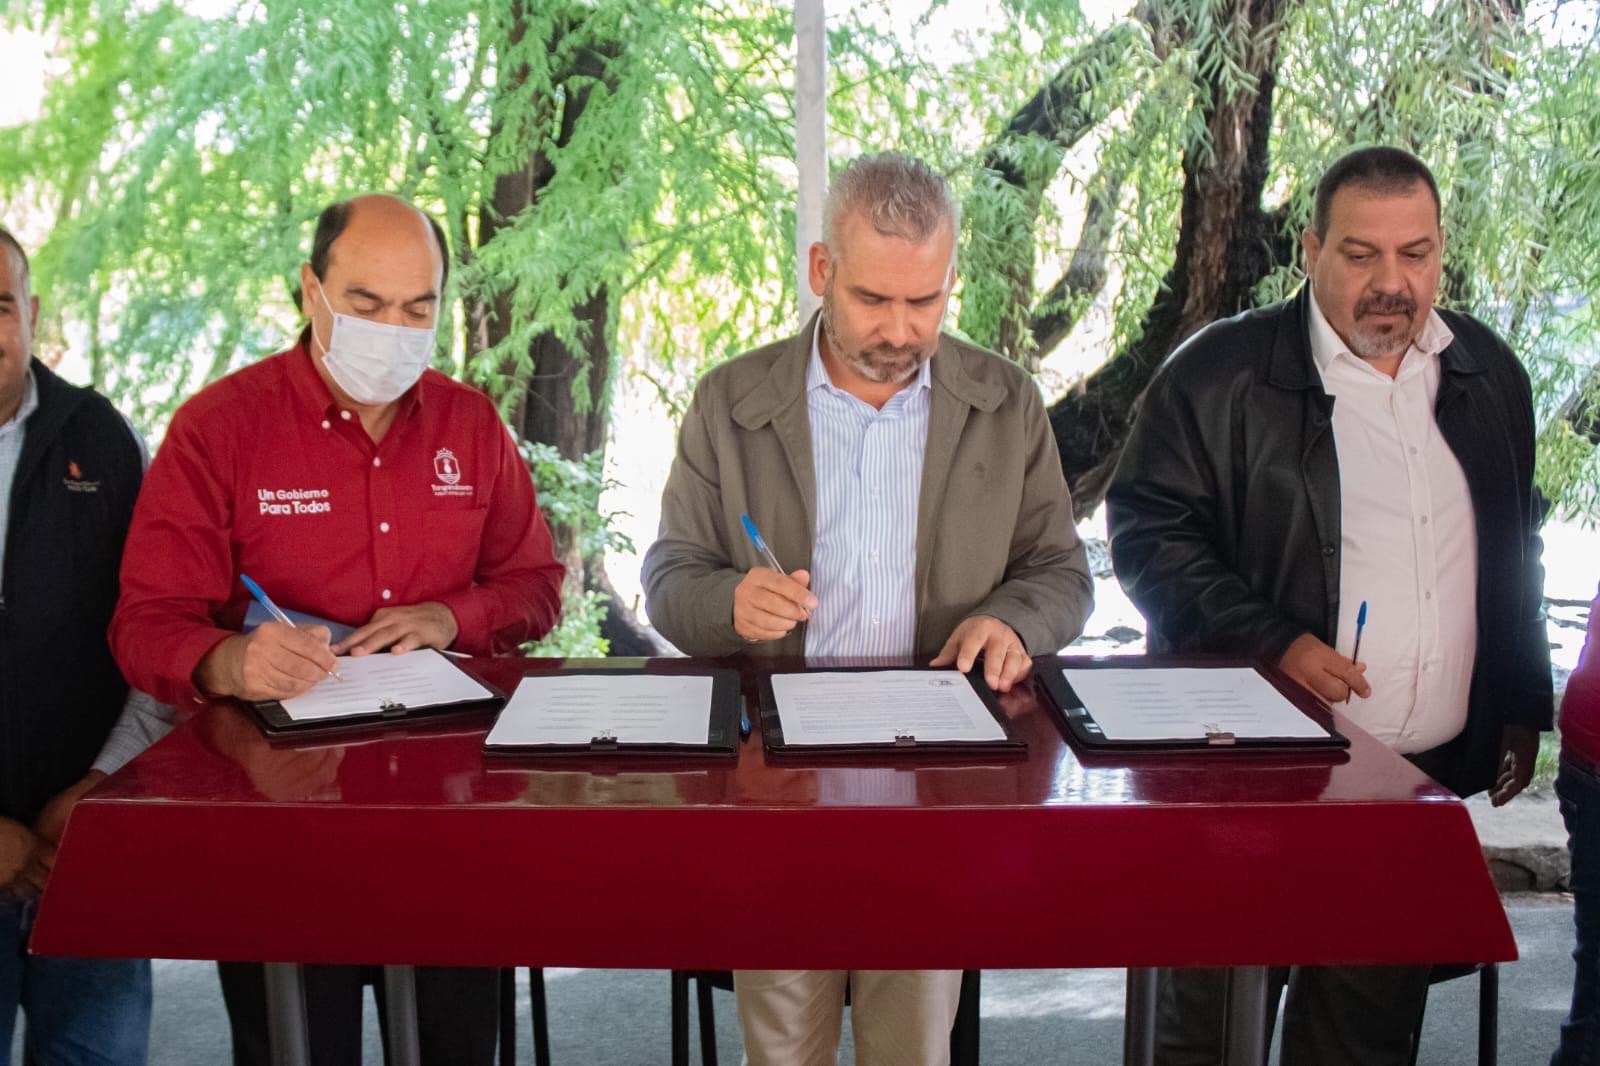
{"x": 275, "y": 662}
{"x": 1355, "y": 653}
{"x": 277, "y": 613}
{"x": 769, "y": 603}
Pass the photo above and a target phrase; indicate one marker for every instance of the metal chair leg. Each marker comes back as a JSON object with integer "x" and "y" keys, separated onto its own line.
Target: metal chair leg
{"x": 508, "y": 1017}
{"x": 964, "y": 1033}
{"x": 680, "y": 1018}
{"x": 708, "y": 1023}
{"x": 1489, "y": 1015}
{"x": 541, "y": 1016}
{"x": 1416, "y": 1034}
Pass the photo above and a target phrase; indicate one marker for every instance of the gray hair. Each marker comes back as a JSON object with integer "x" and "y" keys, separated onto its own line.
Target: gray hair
{"x": 900, "y": 196}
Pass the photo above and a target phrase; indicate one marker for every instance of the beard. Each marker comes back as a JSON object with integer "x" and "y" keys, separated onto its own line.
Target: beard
{"x": 881, "y": 364}
{"x": 1383, "y": 339}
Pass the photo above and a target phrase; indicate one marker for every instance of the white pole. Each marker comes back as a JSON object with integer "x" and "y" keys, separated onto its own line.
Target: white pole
{"x": 810, "y": 138}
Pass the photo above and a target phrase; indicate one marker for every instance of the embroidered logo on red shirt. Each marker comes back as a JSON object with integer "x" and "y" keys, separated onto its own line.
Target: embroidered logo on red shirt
{"x": 447, "y": 471}
{"x": 446, "y": 467}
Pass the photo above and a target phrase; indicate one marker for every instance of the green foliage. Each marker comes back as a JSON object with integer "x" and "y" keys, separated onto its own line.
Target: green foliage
{"x": 183, "y": 158}
{"x": 577, "y": 635}
{"x": 1506, "y": 118}
{"x": 569, "y": 495}
{"x": 1501, "y": 106}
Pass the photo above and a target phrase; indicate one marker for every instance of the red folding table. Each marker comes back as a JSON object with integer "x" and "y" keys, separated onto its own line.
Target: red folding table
{"x": 409, "y": 846}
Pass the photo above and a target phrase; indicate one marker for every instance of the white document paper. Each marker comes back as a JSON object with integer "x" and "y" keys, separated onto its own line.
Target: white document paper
{"x": 629, "y": 708}
{"x": 1186, "y": 703}
{"x": 876, "y": 706}
{"x": 373, "y": 683}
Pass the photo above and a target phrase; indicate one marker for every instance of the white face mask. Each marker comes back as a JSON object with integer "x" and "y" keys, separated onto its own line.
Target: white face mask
{"x": 372, "y": 362}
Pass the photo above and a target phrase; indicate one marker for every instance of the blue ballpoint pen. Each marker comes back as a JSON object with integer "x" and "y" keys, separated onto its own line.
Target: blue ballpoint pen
{"x": 760, "y": 542}
{"x": 1355, "y": 653}
{"x": 275, "y": 611}
{"x": 754, "y": 534}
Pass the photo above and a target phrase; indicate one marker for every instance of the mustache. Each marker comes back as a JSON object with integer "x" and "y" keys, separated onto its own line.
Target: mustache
{"x": 887, "y": 352}
{"x": 1397, "y": 304}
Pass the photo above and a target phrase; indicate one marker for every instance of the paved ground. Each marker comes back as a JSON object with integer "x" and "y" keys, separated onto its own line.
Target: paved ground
{"x": 1030, "y": 1017}
{"x": 1524, "y": 842}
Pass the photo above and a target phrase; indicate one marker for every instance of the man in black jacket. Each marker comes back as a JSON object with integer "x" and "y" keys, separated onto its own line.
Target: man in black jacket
{"x": 70, "y": 467}
{"x": 1352, "y": 446}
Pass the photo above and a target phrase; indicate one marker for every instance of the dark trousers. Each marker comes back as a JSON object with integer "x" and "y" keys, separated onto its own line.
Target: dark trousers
{"x": 457, "y": 1013}
{"x": 1332, "y": 1015}
{"x": 1578, "y": 790}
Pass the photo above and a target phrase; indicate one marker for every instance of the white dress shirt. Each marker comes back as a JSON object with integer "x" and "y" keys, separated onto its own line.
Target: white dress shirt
{"x": 868, "y": 464}
{"x": 1408, "y": 545}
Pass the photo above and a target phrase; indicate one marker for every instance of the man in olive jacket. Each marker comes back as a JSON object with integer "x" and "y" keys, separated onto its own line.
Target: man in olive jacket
{"x": 911, "y": 488}
{"x": 1354, "y": 445}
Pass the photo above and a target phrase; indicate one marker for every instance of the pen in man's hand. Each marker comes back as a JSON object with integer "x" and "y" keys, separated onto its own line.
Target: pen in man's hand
{"x": 275, "y": 611}
{"x": 1355, "y": 653}
{"x": 754, "y": 534}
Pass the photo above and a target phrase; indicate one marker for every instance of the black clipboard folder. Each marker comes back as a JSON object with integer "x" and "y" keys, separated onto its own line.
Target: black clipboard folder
{"x": 902, "y": 746}
{"x": 722, "y": 733}
{"x": 1080, "y": 724}
{"x": 275, "y": 721}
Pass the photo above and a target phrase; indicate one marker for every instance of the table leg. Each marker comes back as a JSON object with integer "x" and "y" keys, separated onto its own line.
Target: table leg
{"x": 1139, "y": 1019}
{"x": 1245, "y": 1031}
{"x": 286, "y": 1014}
{"x": 400, "y": 1007}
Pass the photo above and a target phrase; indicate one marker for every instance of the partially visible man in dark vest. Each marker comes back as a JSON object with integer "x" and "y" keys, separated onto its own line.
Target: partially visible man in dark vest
{"x": 70, "y": 467}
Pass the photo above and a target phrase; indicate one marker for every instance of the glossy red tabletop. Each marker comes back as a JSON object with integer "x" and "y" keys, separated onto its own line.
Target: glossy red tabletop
{"x": 410, "y": 846}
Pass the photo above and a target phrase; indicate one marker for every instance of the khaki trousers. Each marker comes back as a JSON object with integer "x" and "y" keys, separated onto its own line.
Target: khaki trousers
{"x": 898, "y": 1017}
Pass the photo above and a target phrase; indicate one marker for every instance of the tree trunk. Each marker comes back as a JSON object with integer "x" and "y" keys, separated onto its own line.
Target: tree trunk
{"x": 1005, "y": 207}
{"x": 562, "y": 394}
{"x": 1581, "y": 409}
{"x": 1226, "y": 245}
{"x": 1058, "y": 313}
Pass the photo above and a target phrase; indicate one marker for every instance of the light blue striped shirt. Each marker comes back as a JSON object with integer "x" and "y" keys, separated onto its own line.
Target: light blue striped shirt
{"x": 869, "y": 474}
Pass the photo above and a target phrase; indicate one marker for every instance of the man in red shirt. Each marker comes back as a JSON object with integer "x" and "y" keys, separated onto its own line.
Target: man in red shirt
{"x": 1578, "y": 787}
{"x": 356, "y": 485}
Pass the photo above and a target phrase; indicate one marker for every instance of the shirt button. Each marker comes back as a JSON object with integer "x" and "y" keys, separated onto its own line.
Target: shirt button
{"x": 1328, "y": 550}
{"x": 345, "y": 415}
{"x": 383, "y": 527}
{"x": 1424, "y": 519}
{"x": 387, "y": 594}
{"x": 874, "y": 621}
{"x": 326, "y": 424}
{"x": 1427, "y": 595}
{"x": 1413, "y": 449}
{"x": 376, "y": 461}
